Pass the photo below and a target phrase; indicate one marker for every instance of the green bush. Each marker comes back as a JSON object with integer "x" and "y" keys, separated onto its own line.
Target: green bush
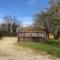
{"x": 54, "y": 42}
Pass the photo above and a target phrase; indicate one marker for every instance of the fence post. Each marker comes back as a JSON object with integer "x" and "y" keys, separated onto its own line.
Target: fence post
{"x": 18, "y": 34}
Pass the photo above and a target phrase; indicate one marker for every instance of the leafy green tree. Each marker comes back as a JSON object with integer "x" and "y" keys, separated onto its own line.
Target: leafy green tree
{"x": 49, "y": 21}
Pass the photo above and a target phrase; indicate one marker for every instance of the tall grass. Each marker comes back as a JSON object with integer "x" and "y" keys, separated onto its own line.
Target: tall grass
{"x": 51, "y": 47}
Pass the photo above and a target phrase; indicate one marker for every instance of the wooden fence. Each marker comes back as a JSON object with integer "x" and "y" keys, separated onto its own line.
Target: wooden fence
{"x": 32, "y": 36}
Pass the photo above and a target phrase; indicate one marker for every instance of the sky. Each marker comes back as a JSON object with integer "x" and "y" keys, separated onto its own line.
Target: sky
{"x": 22, "y": 9}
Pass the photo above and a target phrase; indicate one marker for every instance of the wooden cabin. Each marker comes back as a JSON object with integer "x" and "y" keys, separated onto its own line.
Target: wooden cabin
{"x": 28, "y": 34}
{"x": 32, "y": 36}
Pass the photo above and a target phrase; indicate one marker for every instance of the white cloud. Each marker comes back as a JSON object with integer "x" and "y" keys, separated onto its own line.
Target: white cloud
{"x": 1, "y": 20}
{"x": 26, "y": 20}
{"x": 25, "y": 24}
{"x": 32, "y": 2}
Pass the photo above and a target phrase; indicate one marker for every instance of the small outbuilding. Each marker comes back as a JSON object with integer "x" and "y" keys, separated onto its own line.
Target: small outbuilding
{"x": 36, "y": 36}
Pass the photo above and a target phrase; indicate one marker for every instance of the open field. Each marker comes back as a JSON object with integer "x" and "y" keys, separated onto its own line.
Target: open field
{"x": 10, "y": 51}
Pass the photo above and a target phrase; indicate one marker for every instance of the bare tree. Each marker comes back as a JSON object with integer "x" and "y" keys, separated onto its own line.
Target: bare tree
{"x": 11, "y": 23}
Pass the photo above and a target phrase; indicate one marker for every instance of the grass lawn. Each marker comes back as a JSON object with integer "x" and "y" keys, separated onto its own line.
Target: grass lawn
{"x": 51, "y": 47}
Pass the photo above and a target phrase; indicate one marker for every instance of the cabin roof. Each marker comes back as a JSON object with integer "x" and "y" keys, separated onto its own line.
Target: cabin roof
{"x": 32, "y": 32}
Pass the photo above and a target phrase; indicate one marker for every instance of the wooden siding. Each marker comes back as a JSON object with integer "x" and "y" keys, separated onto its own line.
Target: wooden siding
{"x": 32, "y": 35}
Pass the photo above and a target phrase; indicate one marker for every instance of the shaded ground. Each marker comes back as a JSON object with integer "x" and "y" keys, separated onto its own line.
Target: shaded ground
{"x": 9, "y": 51}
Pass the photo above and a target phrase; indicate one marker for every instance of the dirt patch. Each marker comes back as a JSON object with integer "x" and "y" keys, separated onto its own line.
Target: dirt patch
{"x": 9, "y": 51}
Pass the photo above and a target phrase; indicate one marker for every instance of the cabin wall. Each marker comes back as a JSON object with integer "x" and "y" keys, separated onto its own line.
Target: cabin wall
{"x": 35, "y": 37}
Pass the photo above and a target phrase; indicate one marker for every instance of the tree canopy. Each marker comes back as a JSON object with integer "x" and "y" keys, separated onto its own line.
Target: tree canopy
{"x": 49, "y": 21}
